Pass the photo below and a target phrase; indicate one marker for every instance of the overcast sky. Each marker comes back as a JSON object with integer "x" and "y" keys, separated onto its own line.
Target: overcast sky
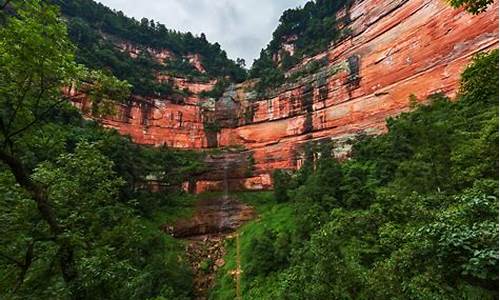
{"x": 242, "y": 27}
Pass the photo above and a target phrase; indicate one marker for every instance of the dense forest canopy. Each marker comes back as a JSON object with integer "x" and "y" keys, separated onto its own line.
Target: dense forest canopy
{"x": 78, "y": 218}
{"x": 96, "y": 29}
{"x": 312, "y": 27}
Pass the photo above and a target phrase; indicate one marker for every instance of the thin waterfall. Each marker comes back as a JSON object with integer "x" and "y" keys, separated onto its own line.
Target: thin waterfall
{"x": 225, "y": 203}
{"x": 226, "y": 184}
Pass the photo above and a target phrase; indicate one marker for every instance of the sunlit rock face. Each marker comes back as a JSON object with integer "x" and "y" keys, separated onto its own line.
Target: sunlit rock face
{"x": 195, "y": 60}
{"x": 194, "y": 87}
{"x": 159, "y": 122}
{"x": 396, "y": 49}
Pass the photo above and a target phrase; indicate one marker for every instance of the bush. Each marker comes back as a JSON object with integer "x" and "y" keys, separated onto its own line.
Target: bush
{"x": 281, "y": 183}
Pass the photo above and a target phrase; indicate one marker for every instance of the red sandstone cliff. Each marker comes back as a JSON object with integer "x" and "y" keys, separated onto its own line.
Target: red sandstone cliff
{"x": 397, "y": 48}
{"x": 403, "y": 47}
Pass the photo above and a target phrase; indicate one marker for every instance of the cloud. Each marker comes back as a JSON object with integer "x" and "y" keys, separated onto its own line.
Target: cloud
{"x": 242, "y": 27}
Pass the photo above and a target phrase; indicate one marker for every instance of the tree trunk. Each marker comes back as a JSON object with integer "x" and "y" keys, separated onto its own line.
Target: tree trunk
{"x": 38, "y": 193}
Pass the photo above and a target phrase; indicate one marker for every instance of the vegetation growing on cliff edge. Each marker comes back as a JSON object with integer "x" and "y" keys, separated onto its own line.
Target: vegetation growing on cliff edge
{"x": 310, "y": 29}
{"x": 93, "y": 26}
{"x": 472, "y": 6}
{"x": 218, "y": 90}
{"x": 78, "y": 220}
{"x": 412, "y": 215}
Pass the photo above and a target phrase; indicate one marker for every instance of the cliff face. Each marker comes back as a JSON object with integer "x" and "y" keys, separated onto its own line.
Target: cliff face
{"x": 397, "y": 48}
{"x": 177, "y": 122}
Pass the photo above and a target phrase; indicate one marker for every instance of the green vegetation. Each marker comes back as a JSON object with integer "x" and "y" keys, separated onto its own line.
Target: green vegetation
{"x": 268, "y": 74}
{"x": 310, "y": 68}
{"x": 79, "y": 220}
{"x": 211, "y": 126}
{"x": 281, "y": 180}
{"x": 472, "y": 6}
{"x": 97, "y": 30}
{"x": 310, "y": 29}
{"x": 412, "y": 215}
{"x": 313, "y": 26}
{"x": 217, "y": 91}
{"x": 263, "y": 247}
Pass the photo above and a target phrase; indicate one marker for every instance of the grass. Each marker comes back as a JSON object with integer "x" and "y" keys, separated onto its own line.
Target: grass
{"x": 181, "y": 207}
{"x": 271, "y": 215}
{"x": 261, "y": 201}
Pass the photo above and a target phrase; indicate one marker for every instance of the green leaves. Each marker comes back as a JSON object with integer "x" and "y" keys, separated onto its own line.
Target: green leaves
{"x": 281, "y": 181}
{"x": 92, "y": 24}
{"x": 70, "y": 223}
{"x": 36, "y": 63}
{"x": 413, "y": 214}
{"x": 104, "y": 91}
{"x": 472, "y": 6}
{"x": 479, "y": 82}
{"x": 466, "y": 234}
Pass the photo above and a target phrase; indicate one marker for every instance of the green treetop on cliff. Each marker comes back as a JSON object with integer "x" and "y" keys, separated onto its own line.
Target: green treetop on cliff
{"x": 472, "y": 6}
{"x": 96, "y": 30}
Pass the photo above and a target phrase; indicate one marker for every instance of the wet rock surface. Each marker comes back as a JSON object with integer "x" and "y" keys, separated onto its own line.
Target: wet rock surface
{"x": 214, "y": 220}
{"x": 214, "y": 216}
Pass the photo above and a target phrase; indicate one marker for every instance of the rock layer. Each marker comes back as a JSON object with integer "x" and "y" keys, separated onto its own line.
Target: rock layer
{"x": 214, "y": 216}
{"x": 403, "y": 48}
{"x": 397, "y": 48}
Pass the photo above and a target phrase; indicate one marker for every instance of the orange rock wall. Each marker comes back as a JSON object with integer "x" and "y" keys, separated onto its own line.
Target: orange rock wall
{"x": 184, "y": 83}
{"x": 156, "y": 122}
{"x": 161, "y": 123}
{"x": 403, "y": 47}
{"x": 415, "y": 47}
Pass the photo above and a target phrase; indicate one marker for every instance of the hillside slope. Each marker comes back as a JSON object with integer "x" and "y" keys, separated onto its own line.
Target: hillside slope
{"x": 173, "y": 75}
{"x": 398, "y": 49}
{"x": 143, "y": 52}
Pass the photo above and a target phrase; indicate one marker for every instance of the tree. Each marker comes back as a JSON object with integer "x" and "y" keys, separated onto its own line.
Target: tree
{"x": 241, "y": 62}
{"x": 36, "y": 63}
{"x": 311, "y": 28}
{"x": 143, "y": 34}
{"x": 281, "y": 183}
{"x": 412, "y": 214}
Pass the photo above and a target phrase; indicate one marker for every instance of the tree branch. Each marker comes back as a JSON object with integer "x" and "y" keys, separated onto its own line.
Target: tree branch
{"x": 28, "y": 260}
{"x": 65, "y": 252}
{"x": 20, "y": 103}
{"x": 36, "y": 119}
{"x": 12, "y": 260}
{"x": 4, "y": 5}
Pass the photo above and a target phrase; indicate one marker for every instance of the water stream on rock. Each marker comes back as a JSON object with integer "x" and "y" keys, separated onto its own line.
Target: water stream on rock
{"x": 215, "y": 219}
{"x": 225, "y": 204}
